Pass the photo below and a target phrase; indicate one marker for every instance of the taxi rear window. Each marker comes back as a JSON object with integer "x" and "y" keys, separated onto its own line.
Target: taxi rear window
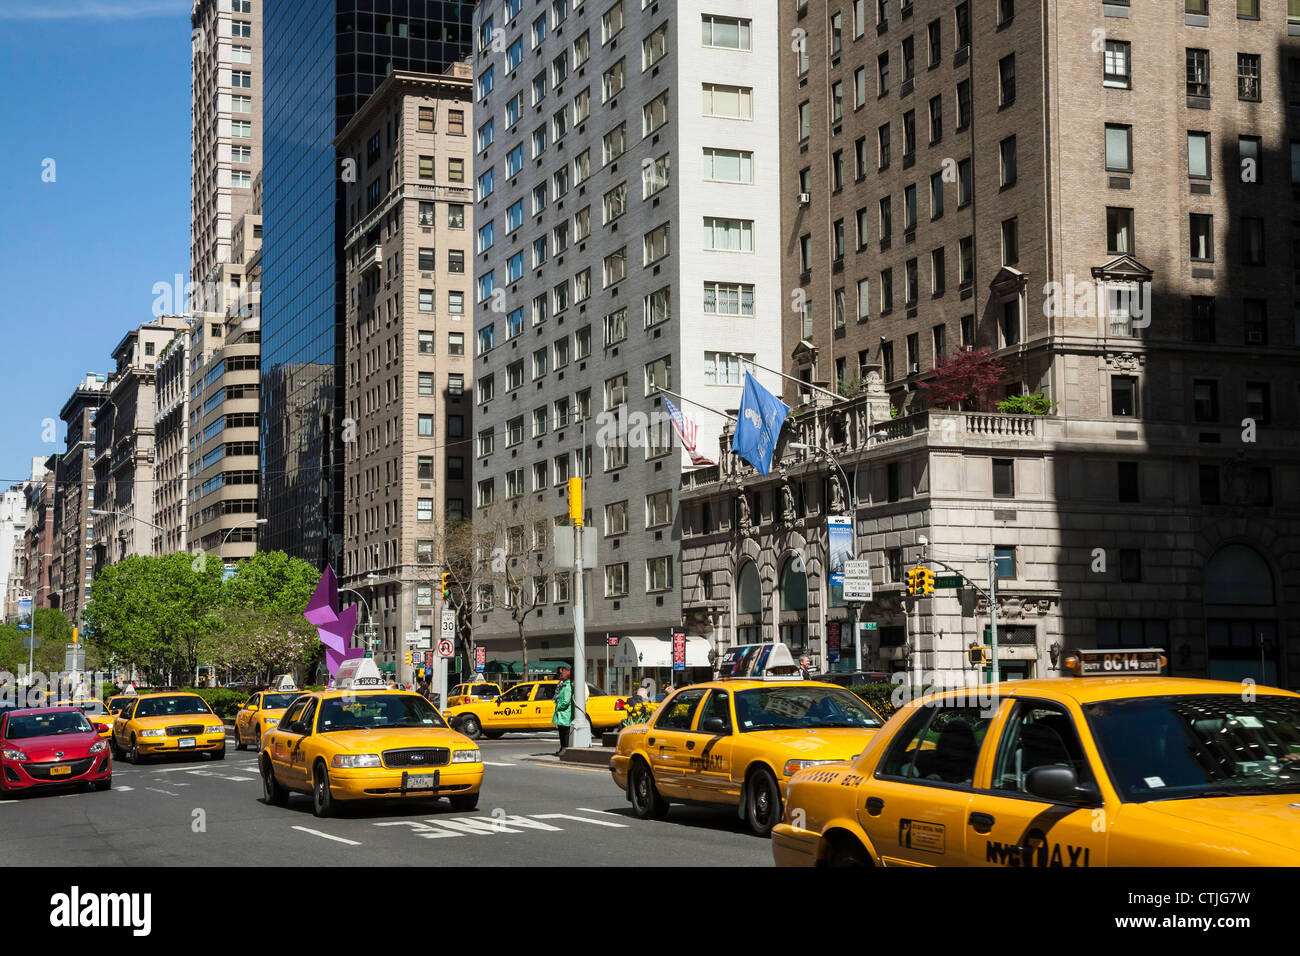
{"x": 1198, "y": 745}
{"x": 378, "y": 712}
{"x": 482, "y": 690}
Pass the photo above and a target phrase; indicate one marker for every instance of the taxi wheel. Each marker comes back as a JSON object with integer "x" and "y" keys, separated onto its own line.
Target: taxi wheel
{"x": 463, "y": 802}
{"x": 847, "y": 851}
{"x": 763, "y": 808}
{"x": 113, "y": 748}
{"x": 272, "y": 792}
{"x": 239, "y": 740}
{"x": 471, "y": 727}
{"x": 219, "y": 754}
{"x": 322, "y": 801}
{"x": 647, "y": 804}
{"x": 133, "y": 755}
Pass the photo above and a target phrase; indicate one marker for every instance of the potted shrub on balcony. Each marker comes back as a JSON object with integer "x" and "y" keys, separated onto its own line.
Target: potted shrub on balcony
{"x": 968, "y": 376}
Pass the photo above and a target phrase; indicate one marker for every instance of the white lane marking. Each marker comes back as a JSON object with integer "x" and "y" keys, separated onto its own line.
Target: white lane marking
{"x": 156, "y": 790}
{"x": 8, "y": 801}
{"x": 327, "y": 836}
{"x": 604, "y": 812}
{"x": 569, "y": 816}
{"x": 491, "y": 763}
{"x": 121, "y": 789}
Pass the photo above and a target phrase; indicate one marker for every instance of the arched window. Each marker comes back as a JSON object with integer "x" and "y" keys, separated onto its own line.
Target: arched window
{"x": 1238, "y": 574}
{"x": 794, "y": 585}
{"x": 750, "y": 590}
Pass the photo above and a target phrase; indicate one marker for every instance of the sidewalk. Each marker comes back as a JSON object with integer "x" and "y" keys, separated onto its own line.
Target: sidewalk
{"x": 577, "y": 756}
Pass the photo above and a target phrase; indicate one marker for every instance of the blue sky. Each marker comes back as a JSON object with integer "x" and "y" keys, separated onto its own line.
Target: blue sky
{"x": 103, "y": 89}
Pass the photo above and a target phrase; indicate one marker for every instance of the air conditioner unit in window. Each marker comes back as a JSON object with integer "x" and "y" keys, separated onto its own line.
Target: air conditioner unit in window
{"x": 1254, "y": 336}
{"x": 913, "y": 369}
{"x": 805, "y": 199}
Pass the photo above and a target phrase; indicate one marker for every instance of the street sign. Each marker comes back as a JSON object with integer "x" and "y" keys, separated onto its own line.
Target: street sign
{"x": 413, "y": 638}
{"x": 480, "y": 659}
{"x": 832, "y": 642}
{"x": 446, "y": 648}
{"x": 868, "y": 625}
{"x": 949, "y": 581}
{"x": 24, "y": 614}
{"x": 31, "y": 643}
{"x": 857, "y": 581}
{"x": 448, "y": 629}
{"x": 679, "y": 650}
{"x": 428, "y": 659}
{"x": 564, "y": 547}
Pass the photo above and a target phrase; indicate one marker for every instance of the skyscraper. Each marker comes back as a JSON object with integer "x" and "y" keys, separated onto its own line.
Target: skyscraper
{"x": 321, "y": 61}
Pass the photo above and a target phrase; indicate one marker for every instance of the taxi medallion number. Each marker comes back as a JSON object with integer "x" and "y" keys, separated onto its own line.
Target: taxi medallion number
{"x": 185, "y": 742}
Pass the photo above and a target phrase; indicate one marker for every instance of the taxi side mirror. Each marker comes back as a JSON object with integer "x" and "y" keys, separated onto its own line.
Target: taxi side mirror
{"x": 1059, "y": 783}
{"x": 714, "y": 725}
{"x": 496, "y": 700}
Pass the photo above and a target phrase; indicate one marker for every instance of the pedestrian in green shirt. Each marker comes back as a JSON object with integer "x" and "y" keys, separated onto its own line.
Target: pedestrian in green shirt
{"x": 563, "y": 716}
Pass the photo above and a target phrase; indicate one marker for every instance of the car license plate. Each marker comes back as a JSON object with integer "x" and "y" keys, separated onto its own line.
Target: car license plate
{"x": 185, "y": 742}
{"x": 421, "y": 781}
{"x": 60, "y": 771}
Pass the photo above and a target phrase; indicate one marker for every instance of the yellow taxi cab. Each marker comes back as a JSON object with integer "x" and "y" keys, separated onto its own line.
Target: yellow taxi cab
{"x": 363, "y": 742}
{"x": 96, "y": 712}
{"x": 167, "y": 723}
{"x": 529, "y": 707}
{"x": 1117, "y": 766}
{"x": 262, "y": 711}
{"x": 472, "y": 693}
{"x": 735, "y": 742}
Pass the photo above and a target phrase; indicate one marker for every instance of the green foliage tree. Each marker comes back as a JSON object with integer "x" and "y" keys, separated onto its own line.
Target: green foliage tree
{"x": 1035, "y": 404}
{"x": 53, "y": 630}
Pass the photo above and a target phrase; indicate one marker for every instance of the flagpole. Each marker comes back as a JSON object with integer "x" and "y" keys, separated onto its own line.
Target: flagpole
{"x": 660, "y": 388}
{"x": 798, "y": 381}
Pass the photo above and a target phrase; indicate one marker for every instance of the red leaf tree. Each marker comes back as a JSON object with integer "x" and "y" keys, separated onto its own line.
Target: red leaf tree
{"x": 964, "y": 376}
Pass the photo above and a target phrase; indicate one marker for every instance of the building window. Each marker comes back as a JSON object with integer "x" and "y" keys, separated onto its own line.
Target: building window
{"x": 731, "y": 235}
{"x": 1248, "y": 86}
{"x": 1004, "y": 478}
{"x": 1119, "y": 230}
{"x": 1123, "y": 396}
{"x": 1205, "y": 400}
{"x": 1257, "y": 402}
{"x": 1008, "y": 156}
{"x": 1198, "y": 72}
{"x": 616, "y": 580}
{"x": 1127, "y": 481}
{"x": 1010, "y": 242}
{"x": 728, "y": 102}
{"x": 1252, "y": 241}
{"x": 1208, "y": 481}
{"x": 1202, "y": 236}
{"x": 1007, "y": 80}
{"x": 658, "y": 574}
{"x": 1119, "y": 148}
{"x": 965, "y": 183}
{"x": 1254, "y": 319}
{"x": 1198, "y": 155}
{"x": 1004, "y": 558}
{"x": 1203, "y": 327}
{"x": 1116, "y": 64}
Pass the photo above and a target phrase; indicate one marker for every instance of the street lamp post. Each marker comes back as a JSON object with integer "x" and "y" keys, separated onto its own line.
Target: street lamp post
{"x": 221, "y": 550}
{"x": 103, "y": 512}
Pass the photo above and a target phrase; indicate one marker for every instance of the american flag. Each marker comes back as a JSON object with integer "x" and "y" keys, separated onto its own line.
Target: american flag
{"x": 689, "y": 433}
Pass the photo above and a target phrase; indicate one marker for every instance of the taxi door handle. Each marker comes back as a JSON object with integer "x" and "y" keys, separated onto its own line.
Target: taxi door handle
{"x": 651, "y": 741}
{"x": 981, "y": 821}
{"x": 875, "y": 805}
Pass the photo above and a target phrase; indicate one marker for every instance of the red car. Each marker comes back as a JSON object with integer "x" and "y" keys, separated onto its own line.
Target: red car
{"x": 51, "y": 746}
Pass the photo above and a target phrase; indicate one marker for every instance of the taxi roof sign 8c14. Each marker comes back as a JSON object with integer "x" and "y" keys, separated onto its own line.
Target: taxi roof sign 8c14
{"x": 1115, "y": 662}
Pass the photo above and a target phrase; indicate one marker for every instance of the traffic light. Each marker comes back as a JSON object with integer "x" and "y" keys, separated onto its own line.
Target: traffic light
{"x": 446, "y": 586}
{"x": 927, "y": 581}
{"x": 914, "y": 580}
{"x": 978, "y": 655}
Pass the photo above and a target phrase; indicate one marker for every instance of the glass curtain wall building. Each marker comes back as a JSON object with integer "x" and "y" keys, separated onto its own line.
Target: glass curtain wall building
{"x": 321, "y": 61}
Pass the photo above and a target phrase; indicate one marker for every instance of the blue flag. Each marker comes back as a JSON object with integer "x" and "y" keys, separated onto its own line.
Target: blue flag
{"x": 761, "y": 416}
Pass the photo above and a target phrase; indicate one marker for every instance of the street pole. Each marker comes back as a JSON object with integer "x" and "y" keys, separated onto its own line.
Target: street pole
{"x": 993, "y": 614}
{"x": 857, "y": 638}
{"x": 581, "y": 729}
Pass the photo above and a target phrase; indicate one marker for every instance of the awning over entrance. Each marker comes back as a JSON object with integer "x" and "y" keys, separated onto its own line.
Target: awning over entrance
{"x": 651, "y": 651}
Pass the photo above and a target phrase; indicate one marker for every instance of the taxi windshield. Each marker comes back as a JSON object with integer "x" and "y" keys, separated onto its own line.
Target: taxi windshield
{"x": 800, "y": 708}
{"x": 277, "y": 701}
{"x": 377, "y": 712}
{"x": 1210, "y": 745}
{"x": 22, "y": 727}
{"x": 169, "y": 706}
{"x": 91, "y": 707}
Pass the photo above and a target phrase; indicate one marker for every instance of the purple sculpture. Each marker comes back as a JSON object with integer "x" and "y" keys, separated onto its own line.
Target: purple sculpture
{"x": 335, "y": 628}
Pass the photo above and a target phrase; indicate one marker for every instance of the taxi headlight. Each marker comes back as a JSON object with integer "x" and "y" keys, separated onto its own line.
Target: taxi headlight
{"x": 153, "y": 732}
{"x": 98, "y": 747}
{"x": 467, "y": 756}
{"x": 347, "y": 761}
{"x": 270, "y": 721}
{"x": 216, "y": 730}
{"x": 15, "y": 755}
{"x": 794, "y": 766}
